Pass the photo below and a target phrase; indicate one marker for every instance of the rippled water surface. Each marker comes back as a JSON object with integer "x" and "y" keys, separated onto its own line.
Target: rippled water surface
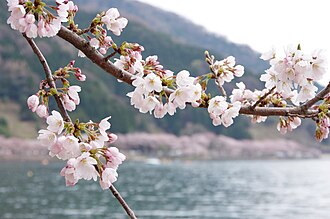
{"x": 226, "y": 189}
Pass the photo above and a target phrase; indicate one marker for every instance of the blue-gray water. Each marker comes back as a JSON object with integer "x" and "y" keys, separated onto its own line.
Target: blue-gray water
{"x": 227, "y": 189}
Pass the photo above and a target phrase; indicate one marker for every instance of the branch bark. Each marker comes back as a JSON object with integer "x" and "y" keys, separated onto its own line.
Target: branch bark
{"x": 81, "y": 44}
{"x": 49, "y": 77}
{"x": 66, "y": 116}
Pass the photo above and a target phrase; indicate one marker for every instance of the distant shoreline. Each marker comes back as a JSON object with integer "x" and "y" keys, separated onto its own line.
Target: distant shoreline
{"x": 202, "y": 146}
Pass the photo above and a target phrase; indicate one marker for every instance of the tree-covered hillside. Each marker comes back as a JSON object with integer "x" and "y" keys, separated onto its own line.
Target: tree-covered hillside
{"x": 102, "y": 95}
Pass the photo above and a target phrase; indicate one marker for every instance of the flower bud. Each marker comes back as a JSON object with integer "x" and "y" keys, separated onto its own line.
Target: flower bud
{"x": 42, "y": 111}
{"x": 33, "y": 102}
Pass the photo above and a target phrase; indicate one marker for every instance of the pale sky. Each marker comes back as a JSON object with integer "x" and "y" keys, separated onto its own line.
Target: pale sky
{"x": 261, "y": 24}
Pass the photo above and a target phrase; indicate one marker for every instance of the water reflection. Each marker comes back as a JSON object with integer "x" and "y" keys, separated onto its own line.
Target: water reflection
{"x": 227, "y": 189}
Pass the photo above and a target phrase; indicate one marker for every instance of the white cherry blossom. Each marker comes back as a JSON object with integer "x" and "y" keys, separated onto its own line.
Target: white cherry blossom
{"x": 55, "y": 122}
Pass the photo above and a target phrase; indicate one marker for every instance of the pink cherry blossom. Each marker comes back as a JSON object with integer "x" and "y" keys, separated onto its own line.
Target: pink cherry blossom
{"x": 153, "y": 83}
{"x": 28, "y": 26}
{"x": 112, "y": 138}
{"x": 55, "y": 122}
{"x": 108, "y": 177}
{"x": 183, "y": 79}
{"x": 73, "y": 93}
{"x": 12, "y": 4}
{"x": 114, "y": 157}
{"x": 104, "y": 125}
{"x": 113, "y": 21}
{"x": 17, "y": 12}
{"x": 149, "y": 104}
{"x": 33, "y": 102}
{"x": 217, "y": 105}
{"x": 65, "y": 148}
{"x": 48, "y": 28}
{"x": 69, "y": 104}
{"x": 160, "y": 111}
{"x": 42, "y": 111}
{"x": 69, "y": 172}
{"x": 180, "y": 97}
{"x": 47, "y": 138}
{"x": 85, "y": 167}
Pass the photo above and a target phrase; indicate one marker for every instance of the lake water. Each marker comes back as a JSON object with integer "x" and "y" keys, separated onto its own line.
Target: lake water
{"x": 298, "y": 189}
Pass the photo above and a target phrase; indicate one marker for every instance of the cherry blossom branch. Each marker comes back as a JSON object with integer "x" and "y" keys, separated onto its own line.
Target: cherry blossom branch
{"x": 81, "y": 44}
{"x": 66, "y": 116}
{"x": 262, "y": 98}
{"x": 319, "y": 96}
{"x": 49, "y": 77}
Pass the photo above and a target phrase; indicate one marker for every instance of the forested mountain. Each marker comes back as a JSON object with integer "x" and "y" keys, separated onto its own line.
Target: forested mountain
{"x": 101, "y": 94}
{"x": 181, "y": 29}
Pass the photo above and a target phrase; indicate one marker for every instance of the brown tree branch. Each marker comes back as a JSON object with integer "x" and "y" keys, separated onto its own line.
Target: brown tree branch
{"x": 66, "y": 116}
{"x": 81, "y": 44}
{"x": 49, "y": 77}
{"x": 319, "y": 96}
{"x": 262, "y": 98}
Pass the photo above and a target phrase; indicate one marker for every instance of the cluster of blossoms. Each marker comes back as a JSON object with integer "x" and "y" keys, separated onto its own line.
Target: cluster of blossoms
{"x": 222, "y": 112}
{"x": 113, "y": 22}
{"x": 149, "y": 93}
{"x": 295, "y": 73}
{"x": 38, "y": 102}
{"x": 225, "y": 70}
{"x": 81, "y": 144}
{"x": 34, "y": 20}
{"x": 84, "y": 156}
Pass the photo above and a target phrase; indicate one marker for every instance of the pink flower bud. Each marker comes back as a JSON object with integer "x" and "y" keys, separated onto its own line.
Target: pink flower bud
{"x": 33, "y": 102}
{"x": 42, "y": 111}
{"x": 112, "y": 138}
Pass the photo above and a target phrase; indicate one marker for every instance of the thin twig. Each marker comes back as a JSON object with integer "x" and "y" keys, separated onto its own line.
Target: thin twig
{"x": 66, "y": 116}
{"x": 49, "y": 76}
{"x": 262, "y": 98}
{"x": 110, "y": 55}
{"x": 128, "y": 210}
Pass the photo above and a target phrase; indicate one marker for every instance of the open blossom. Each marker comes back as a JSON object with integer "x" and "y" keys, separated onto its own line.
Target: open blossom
{"x": 114, "y": 22}
{"x": 69, "y": 172}
{"x": 149, "y": 104}
{"x": 104, "y": 125}
{"x": 69, "y": 104}
{"x": 217, "y": 105}
{"x": 27, "y": 25}
{"x": 65, "y": 148}
{"x": 33, "y": 102}
{"x": 183, "y": 79}
{"x": 55, "y": 122}
{"x": 73, "y": 93}
{"x": 46, "y": 137}
{"x": 109, "y": 176}
{"x": 221, "y": 112}
{"x": 131, "y": 63}
{"x": 85, "y": 167}
{"x": 48, "y": 28}
{"x": 230, "y": 113}
{"x": 114, "y": 157}
{"x": 17, "y": 12}
{"x": 153, "y": 83}
{"x": 160, "y": 111}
